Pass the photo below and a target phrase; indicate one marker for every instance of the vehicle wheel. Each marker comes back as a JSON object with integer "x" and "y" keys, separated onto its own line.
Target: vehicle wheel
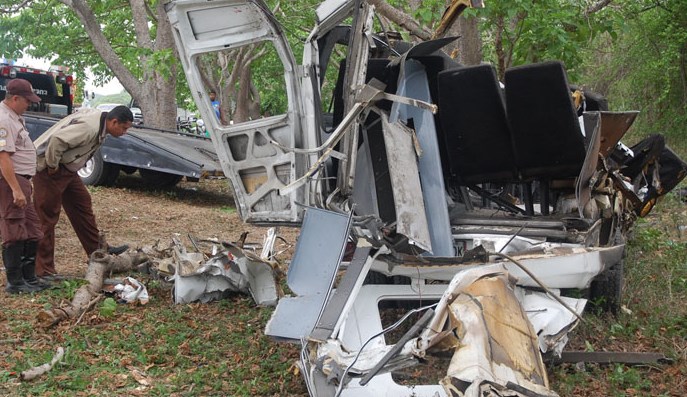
{"x": 97, "y": 172}
{"x": 159, "y": 180}
{"x": 606, "y": 291}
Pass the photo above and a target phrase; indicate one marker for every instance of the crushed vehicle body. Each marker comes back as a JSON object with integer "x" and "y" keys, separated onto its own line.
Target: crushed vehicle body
{"x": 470, "y": 205}
{"x": 215, "y": 269}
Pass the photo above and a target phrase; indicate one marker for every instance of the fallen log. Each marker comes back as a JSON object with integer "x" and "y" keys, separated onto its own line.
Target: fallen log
{"x": 35, "y": 372}
{"x": 100, "y": 265}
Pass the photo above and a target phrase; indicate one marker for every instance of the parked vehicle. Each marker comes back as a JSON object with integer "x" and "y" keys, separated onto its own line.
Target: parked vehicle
{"x": 162, "y": 158}
{"x": 481, "y": 207}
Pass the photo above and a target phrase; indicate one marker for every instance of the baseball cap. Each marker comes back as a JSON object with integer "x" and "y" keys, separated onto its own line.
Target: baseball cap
{"x": 23, "y": 88}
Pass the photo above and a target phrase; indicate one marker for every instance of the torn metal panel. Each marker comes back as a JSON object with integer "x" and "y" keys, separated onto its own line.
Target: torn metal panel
{"x": 557, "y": 265}
{"x": 261, "y": 281}
{"x": 497, "y": 343}
{"x": 414, "y": 84}
{"x": 411, "y": 219}
{"x": 356, "y": 64}
{"x": 613, "y": 127}
{"x": 361, "y": 324}
{"x": 500, "y": 329}
{"x": 583, "y": 184}
{"x": 550, "y": 319}
{"x": 564, "y": 269}
{"x": 398, "y": 347}
{"x": 225, "y": 273}
{"x": 337, "y": 304}
{"x": 316, "y": 259}
{"x": 604, "y": 131}
{"x": 494, "y": 343}
{"x": 365, "y": 188}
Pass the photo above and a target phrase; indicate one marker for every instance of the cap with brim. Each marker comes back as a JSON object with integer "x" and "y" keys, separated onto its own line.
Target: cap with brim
{"x": 23, "y": 88}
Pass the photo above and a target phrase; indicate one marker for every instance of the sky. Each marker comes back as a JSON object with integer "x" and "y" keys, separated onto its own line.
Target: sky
{"x": 113, "y": 87}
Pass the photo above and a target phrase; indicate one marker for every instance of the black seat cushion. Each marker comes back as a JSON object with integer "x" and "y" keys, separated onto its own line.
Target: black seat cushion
{"x": 546, "y": 132}
{"x": 474, "y": 126}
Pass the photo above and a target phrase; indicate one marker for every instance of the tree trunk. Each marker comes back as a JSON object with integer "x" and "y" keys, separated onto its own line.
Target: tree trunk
{"x": 470, "y": 42}
{"x": 243, "y": 99}
{"x": 498, "y": 45}
{"x": 467, "y": 50}
{"x": 156, "y": 93}
{"x": 99, "y": 265}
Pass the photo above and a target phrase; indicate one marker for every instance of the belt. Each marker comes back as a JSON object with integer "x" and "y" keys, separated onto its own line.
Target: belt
{"x": 25, "y": 176}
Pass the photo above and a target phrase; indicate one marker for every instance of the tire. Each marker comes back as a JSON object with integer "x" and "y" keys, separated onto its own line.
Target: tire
{"x": 606, "y": 291}
{"x": 159, "y": 180}
{"x": 97, "y": 172}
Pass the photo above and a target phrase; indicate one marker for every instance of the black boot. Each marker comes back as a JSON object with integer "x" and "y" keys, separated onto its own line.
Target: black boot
{"x": 11, "y": 256}
{"x": 28, "y": 266}
{"x": 117, "y": 250}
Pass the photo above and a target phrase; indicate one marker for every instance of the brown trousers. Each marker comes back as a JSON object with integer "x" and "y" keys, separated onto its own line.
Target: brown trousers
{"x": 17, "y": 224}
{"x": 65, "y": 190}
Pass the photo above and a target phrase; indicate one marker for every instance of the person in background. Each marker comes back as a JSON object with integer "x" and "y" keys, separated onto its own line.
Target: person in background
{"x": 216, "y": 105}
{"x": 61, "y": 151}
{"x": 19, "y": 223}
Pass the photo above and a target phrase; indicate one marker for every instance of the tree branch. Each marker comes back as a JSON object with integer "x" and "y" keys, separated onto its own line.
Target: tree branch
{"x": 596, "y": 7}
{"x": 102, "y": 45}
{"x": 16, "y": 8}
{"x": 138, "y": 10}
{"x": 150, "y": 13}
{"x": 402, "y": 19}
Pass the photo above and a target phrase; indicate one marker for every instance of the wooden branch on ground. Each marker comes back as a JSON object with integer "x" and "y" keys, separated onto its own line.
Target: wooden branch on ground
{"x": 99, "y": 266}
{"x": 35, "y": 372}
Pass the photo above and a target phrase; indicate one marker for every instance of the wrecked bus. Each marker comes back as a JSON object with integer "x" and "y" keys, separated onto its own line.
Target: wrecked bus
{"x": 470, "y": 205}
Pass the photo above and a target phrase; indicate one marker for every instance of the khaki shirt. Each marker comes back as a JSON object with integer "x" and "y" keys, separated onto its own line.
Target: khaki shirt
{"x": 72, "y": 141}
{"x": 14, "y": 139}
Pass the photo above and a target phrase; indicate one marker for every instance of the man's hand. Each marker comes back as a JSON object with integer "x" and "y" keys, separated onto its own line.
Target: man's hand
{"x": 7, "y": 171}
{"x": 52, "y": 171}
{"x": 19, "y": 198}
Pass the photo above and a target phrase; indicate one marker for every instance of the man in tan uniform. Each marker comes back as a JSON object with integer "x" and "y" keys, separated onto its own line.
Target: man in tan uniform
{"x": 18, "y": 221}
{"x": 62, "y": 150}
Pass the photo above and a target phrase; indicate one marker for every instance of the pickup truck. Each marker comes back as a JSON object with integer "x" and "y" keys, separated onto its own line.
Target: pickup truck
{"x": 161, "y": 157}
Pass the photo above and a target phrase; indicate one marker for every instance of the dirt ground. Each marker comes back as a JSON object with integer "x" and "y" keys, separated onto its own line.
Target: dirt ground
{"x": 132, "y": 214}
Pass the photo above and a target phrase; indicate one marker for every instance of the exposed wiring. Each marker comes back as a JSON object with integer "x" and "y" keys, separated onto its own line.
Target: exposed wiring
{"x": 513, "y": 237}
{"x": 393, "y": 326}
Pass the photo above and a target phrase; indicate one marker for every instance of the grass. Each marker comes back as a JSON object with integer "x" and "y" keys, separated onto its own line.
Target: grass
{"x": 215, "y": 349}
{"x": 219, "y": 349}
{"x": 654, "y": 319}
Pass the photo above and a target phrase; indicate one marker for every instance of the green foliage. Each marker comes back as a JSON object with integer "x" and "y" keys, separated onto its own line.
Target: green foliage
{"x": 192, "y": 350}
{"x": 62, "y": 38}
{"x": 625, "y": 377}
{"x": 644, "y": 67}
{"x": 108, "y": 307}
{"x": 56, "y": 33}
{"x": 538, "y": 31}
{"x": 69, "y": 287}
{"x": 163, "y": 62}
